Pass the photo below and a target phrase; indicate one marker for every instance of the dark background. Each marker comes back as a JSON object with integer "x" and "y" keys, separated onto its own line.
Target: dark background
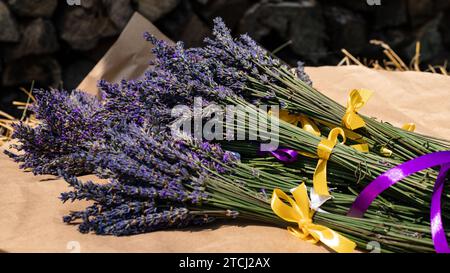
{"x": 52, "y": 42}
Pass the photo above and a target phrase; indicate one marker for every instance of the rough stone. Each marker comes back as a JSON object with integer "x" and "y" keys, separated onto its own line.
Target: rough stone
{"x": 258, "y": 21}
{"x": 442, "y": 5}
{"x": 357, "y": 5}
{"x": 316, "y": 30}
{"x": 155, "y": 9}
{"x": 391, "y": 13}
{"x": 445, "y": 29}
{"x": 396, "y": 37}
{"x": 9, "y": 32}
{"x": 420, "y": 11}
{"x": 33, "y": 8}
{"x": 119, "y": 11}
{"x": 301, "y": 22}
{"x": 175, "y": 22}
{"x": 38, "y": 37}
{"x": 83, "y": 27}
{"x": 346, "y": 29}
{"x": 194, "y": 38}
{"x": 430, "y": 39}
{"x": 44, "y": 71}
{"x": 230, "y": 10}
{"x": 75, "y": 72}
{"x": 89, "y": 4}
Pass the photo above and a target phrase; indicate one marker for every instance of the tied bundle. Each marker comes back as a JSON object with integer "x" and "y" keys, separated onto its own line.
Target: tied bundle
{"x": 157, "y": 177}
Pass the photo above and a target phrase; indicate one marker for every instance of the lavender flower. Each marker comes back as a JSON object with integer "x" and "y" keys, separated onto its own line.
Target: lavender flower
{"x": 219, "y": 70}
{"x": 300, "y": 72}
{"x": 145, "y": 168}
{"x": 67, "y": 123}
{"x": 153, "y": 180}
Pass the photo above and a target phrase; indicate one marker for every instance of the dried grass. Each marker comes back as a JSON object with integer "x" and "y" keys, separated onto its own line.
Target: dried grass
{"x": 7, "y": 120}
{"x": 393, "y": 62}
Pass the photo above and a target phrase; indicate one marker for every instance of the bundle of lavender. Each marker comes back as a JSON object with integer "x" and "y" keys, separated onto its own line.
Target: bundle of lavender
{"x": 157, "y": 180}
{"x": 197, "y": 73}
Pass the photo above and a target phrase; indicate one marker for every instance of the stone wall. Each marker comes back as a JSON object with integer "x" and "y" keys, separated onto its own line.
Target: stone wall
{"x": 52, "y": 42}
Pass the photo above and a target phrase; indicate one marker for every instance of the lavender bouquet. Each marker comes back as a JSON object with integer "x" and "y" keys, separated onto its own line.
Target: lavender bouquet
{"x": 180, "y": 75}
{"x": 158, "y": 181}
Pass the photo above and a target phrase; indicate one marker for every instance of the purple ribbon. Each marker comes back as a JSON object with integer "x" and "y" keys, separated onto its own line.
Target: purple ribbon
{"x": 284, "y": 155}
{"x": 402, "y": 171}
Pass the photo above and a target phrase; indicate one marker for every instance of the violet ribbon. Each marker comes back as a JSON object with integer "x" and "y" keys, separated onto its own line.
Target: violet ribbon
{"x": 391, "y": 177}
{"x": 284, "y": 155}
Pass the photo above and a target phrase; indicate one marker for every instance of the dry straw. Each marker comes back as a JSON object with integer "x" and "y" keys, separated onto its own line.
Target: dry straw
{"x": 393, "y": 62}
{"x": 7, "y": 120}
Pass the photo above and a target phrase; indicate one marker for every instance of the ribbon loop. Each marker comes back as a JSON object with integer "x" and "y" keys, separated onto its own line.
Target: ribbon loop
{"x": 324, "y": 150}
{"x": 298, "y": 211}
{"x": 362, "y": 146}
{"x": 292, "y": 213}
{"x": 394, "y": 175}
{"x": 285, "y": 155}
{"x": 437, "y": 229}
{"x": 356, "y": 100}
{"x": 335, "y": 133}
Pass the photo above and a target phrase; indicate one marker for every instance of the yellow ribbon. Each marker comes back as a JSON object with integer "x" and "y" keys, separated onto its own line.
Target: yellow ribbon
{"x": 362, "y": 146}
{"x": 298, "y": 211}
{"x": 294, "y": 119}
{"x": 410, "y": 127}
{"x": 324, "y": 150}
{"x": 356, "y": 100}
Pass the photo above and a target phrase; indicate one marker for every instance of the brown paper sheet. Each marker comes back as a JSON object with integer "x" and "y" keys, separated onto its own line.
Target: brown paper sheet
{"x": 30, "y": 212}
{"x": 399, "y": 97}
{"x": 31, "y": 221}
{"x": 128, "y": 58}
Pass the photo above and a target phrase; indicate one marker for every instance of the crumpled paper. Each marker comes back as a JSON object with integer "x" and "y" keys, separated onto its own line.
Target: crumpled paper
{"x": 128, "y": 58}
{"x": 31, "y": 214}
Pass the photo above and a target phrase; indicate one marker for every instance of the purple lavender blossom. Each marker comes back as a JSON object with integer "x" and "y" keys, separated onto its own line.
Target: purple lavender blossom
{"x": 145, "y": 168}
{"x": 219, "y": 70}
{"x": 68, "y": 122}
{"x": 300, "y": 71}
{"x": 154, "y": 181}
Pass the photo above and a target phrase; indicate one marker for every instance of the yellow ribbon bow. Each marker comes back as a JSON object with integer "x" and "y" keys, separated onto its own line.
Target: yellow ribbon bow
{"x": 298, "y": 211}
{"x": 307, "y": 124}
{"x": 324, "y": 150}
{"x": 356, "y": 100}
{"x": 362, "y": 146}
